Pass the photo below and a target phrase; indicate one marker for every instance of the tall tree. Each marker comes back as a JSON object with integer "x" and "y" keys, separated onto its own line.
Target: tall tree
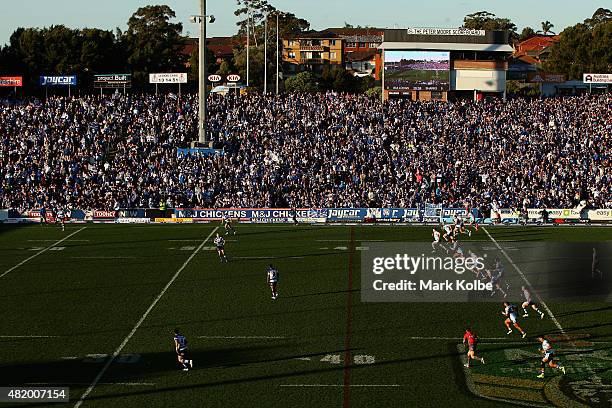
{"x": 584, "y": 47}
{"x": 546, "y": 27}
{"x": 600, "y": 16}
{"x": 152, "y": 42}
{"x": 527, "y": 33}
{"x": 288, "y": 26}
{"x": 483, "y": 20}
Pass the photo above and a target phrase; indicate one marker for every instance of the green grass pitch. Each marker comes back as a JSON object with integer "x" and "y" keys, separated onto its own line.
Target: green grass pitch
{"x": 67, "y": 306}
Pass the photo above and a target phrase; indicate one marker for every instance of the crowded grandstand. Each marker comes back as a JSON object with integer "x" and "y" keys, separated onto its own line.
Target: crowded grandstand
{"x": 306, "y": 150}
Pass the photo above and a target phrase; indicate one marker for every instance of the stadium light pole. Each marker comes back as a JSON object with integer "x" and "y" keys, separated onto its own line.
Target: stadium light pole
{"x": 277, "y": 58}
{"x": 248, "y": 33}
{"x": 266, "y": 53}
{"x": 202, "y": 19}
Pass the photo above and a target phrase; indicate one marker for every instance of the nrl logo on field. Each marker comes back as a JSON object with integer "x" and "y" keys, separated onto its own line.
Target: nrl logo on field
{"x": 510, "y": 373}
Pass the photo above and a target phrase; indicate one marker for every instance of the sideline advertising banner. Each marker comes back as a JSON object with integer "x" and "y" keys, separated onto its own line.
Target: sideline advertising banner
{"x": 11, "y": 81}
{"x": 61, "y": 80}
{"x": 168, "y": 78}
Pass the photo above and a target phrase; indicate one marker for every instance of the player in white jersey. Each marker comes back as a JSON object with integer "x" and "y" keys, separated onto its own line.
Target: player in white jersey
{"x": 436, "y": 239}
{"x": 549, "y": 357}
{"x": 273, "y": 281}
{"x": 449, "y": 235}
{"x": 511, "y": 317}
{"x": 529, "y": 302}
{"x": 227, "y": 224}
{"x": 61, "y": 218}
{"x": 220, "y": 244}
{"x": 460, "y": 226}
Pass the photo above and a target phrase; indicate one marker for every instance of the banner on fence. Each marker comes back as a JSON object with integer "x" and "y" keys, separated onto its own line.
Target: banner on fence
{"x": 168, "y": 78}
{"x": 115, "y": 81}
{"x": 58, "y": 80}
{"x": 11, "y": 81}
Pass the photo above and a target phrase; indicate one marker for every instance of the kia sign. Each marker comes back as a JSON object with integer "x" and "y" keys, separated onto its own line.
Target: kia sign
{"x": 215, "y": 78}
{"x": 233, "y": 78}
{"x": 597, "y": 78}
{"x": 175, "y": 78}
{"x": 11, "y": 81}
{"x": 46, "y": 80}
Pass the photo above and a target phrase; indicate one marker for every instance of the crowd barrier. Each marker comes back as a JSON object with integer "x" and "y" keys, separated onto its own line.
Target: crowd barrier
{"x": 427, "y": 214}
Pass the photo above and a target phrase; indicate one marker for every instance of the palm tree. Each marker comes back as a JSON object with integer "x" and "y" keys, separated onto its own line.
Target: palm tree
{"x": 546, "y": 27}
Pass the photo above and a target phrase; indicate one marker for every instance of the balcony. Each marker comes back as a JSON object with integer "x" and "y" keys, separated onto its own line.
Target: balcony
{"x": 313, "y": 61}
{"x": 316, "y": 48}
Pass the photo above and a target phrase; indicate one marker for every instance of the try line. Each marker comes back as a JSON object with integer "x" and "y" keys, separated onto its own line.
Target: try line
{"x": 41, "y": 252}
{"x": 139, "y": 323}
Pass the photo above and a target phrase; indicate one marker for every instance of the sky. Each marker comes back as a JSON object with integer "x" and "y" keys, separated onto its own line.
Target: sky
{"x": 108, "y": 14}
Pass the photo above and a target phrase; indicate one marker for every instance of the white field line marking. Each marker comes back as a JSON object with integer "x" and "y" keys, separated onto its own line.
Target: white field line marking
{"x": 348, "y": 240}
{"x": 142, "y": 319}
{"x": 197, "y": 240}
{"x": 41, "y": 252}
{"x": 51, "y": 240}
{"x": 540, "y": 300}
{"x": 339, "y": 385}
{"x": 28, "y": 337}
{"x": 102, "y": 383}
{"x": 266, "y": 257}
{"x": 104, "y": 257}
{"x": 242, "y": 337}
{"x": 451, "y": 338}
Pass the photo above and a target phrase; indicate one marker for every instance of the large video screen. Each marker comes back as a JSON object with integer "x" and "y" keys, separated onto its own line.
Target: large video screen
{"x": 417, "y": 70}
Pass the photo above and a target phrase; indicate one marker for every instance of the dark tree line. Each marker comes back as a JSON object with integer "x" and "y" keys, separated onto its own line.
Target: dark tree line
{"x": 151, "y": 43}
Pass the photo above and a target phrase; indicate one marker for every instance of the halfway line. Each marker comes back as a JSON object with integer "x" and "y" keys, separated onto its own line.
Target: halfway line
{"x": 142, "y": 319}
{"x": 41, "y": 252}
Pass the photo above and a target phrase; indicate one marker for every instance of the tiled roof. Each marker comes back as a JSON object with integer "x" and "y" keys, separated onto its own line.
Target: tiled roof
{"x": 537, "y": 43}
{"x": 360, "y": 56}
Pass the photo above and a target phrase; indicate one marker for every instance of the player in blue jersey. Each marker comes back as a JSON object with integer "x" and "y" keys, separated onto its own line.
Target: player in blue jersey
{"x": 549, "y": 357}
{"x": 511, "y": 317}
{"x": 180, "y": 346}
{"x": 220, "y": 244}
{"x": 43, "y": 216}
{"x": 273, "y": 280}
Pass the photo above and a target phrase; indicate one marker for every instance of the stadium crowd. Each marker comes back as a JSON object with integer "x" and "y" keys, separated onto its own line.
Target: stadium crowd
{"x": 306, "y": 150}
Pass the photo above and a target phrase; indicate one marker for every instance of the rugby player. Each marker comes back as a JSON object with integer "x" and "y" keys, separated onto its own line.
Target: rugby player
{"x": 273, "y": 281}
{"x": 436, "y": 236}
{"x": 511, "y": 317}
{"x": 529, "y": 302}
{"x": 227, "y": 224}
{"x": 180, "y": 346}
{"x": 549, "y": 357}
{"x": 220, "y": 244}
{"x": 472, "y": 342}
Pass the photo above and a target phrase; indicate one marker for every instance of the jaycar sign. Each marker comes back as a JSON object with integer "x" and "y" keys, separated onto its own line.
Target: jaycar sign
{"x": 48, "y": 80}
